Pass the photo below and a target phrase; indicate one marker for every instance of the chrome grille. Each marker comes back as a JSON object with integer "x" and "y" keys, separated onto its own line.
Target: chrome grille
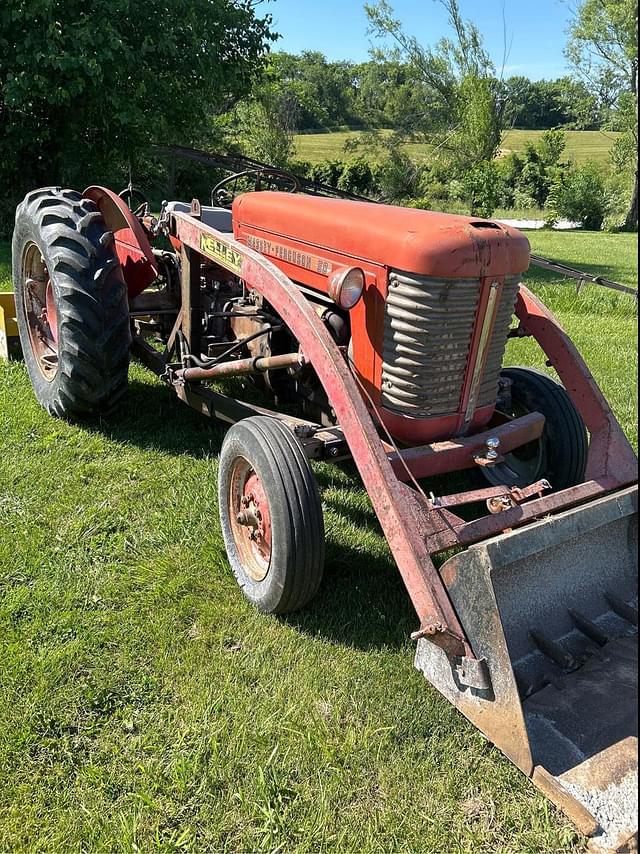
{"x": 489, "y": 385}
{"x": 428, "y": 328}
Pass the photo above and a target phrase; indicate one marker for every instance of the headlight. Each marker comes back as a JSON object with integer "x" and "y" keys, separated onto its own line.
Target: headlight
{"x": 346, "y": 286}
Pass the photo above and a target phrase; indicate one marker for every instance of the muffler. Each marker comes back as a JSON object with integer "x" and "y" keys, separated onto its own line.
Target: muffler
{"x": 552, "y": 608}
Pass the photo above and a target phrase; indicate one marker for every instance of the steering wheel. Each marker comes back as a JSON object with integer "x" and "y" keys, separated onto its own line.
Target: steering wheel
{"x": 134, "y": 197}
{"x": 265, "y": 178}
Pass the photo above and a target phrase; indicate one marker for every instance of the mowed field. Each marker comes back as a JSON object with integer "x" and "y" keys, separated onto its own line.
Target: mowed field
{"x": 144, "y": 706}
{"x": 581, "y": 145}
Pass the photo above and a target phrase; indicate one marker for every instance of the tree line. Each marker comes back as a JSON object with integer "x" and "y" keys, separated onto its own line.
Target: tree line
{"x": 88, "y": 86}
{"x": 392, "y": 93}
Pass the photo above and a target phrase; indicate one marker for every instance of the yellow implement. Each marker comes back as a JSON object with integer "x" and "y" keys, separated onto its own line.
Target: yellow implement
{"x": 9, "y": 338}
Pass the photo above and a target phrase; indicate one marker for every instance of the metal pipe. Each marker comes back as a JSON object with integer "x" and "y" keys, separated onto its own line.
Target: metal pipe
{"x": 237, "y": 345}
{"x": 242, "y": 366}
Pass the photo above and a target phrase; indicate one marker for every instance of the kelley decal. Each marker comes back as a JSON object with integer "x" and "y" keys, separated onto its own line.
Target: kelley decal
{"x": 218, "y": 251}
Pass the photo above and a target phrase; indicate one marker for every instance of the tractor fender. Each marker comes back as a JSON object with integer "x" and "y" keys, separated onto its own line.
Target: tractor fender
{"x": 611, "y": 457}
{"x": 132, "y": 244}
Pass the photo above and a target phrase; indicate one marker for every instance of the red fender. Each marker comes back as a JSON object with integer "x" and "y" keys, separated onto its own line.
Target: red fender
{"x": 611, "y": 457}
{"x": 132, "y": 245}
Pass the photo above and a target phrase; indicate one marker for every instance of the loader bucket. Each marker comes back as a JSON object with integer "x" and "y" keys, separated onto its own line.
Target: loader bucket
{"x": 552, "y": 608}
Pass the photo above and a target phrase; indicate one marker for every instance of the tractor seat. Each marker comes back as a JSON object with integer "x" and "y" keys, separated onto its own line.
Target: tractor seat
{"x": 218, "y": 218}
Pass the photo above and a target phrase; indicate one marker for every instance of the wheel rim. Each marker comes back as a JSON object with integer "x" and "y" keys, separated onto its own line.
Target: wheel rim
{"x": 250, "y": 519}
{"x": 40, "y": 311}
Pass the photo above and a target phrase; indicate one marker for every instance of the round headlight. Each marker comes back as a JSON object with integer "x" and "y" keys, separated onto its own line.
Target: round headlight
{"x": 346, "y": 286}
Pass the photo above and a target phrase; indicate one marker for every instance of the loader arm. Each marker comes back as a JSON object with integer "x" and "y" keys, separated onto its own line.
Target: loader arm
{"x": 399, "y": 516}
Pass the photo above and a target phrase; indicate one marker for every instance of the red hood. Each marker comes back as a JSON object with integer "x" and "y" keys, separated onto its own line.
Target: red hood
{"x": 415, "y": 241}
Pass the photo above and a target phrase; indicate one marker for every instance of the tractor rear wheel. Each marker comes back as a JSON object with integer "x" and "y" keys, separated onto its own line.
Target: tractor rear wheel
{"x": 271, "y": 515}
{"x": 71, "y": 304}
{"x": 560, "y": 454}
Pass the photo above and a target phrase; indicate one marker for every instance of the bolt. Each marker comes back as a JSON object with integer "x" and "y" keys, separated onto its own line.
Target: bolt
{"x": 493, "y": 442}
{"x": 427, "y": 631}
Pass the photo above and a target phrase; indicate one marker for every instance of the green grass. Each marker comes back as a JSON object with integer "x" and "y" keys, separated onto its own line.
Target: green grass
{"x": 581, "y": 145}
{"x": 144, "y": 706}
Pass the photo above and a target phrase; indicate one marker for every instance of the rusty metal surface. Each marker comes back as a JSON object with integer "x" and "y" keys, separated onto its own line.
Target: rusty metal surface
{"x": 134, "y": 251}
{"x": 582, "y": 277}
{"x": 563, "y": 704}
{"x": 513, "y": 495}
{"x": 424, "y": 242}
{"x": 458, "y": 454}
{"x": 447, "y": 530}
{"x": 238, "y": 367}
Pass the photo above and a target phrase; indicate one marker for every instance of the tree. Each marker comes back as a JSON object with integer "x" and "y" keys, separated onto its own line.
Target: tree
{"x": 603, "y": 47}
{"x": 84, "y": 86}
{"x": 544, "y": 104}
{"x": 464, "y": 110}
{"x": 267, "y": 121}
{"x": 323, "y": 91}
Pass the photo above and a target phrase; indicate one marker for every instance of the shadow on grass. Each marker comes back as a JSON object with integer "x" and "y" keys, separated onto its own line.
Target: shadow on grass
{"x": 362, "y": 601}
{"x": 153, "y": 418}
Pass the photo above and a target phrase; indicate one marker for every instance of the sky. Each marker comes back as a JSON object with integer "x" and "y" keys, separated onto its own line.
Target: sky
{"x": 536, "y": 29}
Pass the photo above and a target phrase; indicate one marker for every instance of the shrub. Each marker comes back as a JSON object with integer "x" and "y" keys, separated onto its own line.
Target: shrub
{"x": 327, "y": 172}
{"x": 523, "y": 200}
{"x": 398, "y": 177}
{"x": 579, "y": 195}
{"x": 357, "y": 177}
{"x": 301, "y": 167}
{"x": 481, "y": 188}
{"x": 530, "y": 175}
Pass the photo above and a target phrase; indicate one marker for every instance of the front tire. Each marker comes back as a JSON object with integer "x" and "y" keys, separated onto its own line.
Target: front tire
{"x": 271, "y": 515}
{"x": 71, "y": 304}
{"x": 560, "y": 454}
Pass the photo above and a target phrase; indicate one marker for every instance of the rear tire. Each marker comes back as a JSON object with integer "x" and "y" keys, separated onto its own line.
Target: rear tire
{"x": 277, "y": 552}
{"x": 71, "y": 304}
{"x": 560, "y": 454}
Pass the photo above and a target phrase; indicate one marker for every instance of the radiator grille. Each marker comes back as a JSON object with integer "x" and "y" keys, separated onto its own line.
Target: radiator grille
{"x": 428, "y": 329}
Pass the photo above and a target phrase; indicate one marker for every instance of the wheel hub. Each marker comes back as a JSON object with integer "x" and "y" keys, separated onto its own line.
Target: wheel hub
{"x": 40, "y": 311}
{"x": 250, "y": 520}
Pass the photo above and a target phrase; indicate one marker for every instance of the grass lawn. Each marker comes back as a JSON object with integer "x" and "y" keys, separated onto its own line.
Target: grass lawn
{"x": 144, "y": 706}
{"x": 581, "y": 145}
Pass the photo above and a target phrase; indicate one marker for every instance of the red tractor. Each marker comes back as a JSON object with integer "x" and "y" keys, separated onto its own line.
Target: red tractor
{"x": 377, "y": 333}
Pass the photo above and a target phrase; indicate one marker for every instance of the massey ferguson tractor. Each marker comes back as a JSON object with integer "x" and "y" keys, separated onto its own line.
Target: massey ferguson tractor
{"x": 377, "y": 334}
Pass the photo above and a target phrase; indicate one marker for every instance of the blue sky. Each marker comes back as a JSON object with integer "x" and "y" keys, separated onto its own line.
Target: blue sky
{"x": 536, "y": 29}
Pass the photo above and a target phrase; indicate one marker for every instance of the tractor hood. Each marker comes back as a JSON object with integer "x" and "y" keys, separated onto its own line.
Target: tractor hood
{"x": 416, "y": 241}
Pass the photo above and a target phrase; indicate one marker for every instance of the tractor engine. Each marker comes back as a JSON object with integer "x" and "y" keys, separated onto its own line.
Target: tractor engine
{"x": 426, "y": 329}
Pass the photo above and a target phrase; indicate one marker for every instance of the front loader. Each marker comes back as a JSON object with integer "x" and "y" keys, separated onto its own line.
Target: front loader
{"x": 377, "y": 334}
